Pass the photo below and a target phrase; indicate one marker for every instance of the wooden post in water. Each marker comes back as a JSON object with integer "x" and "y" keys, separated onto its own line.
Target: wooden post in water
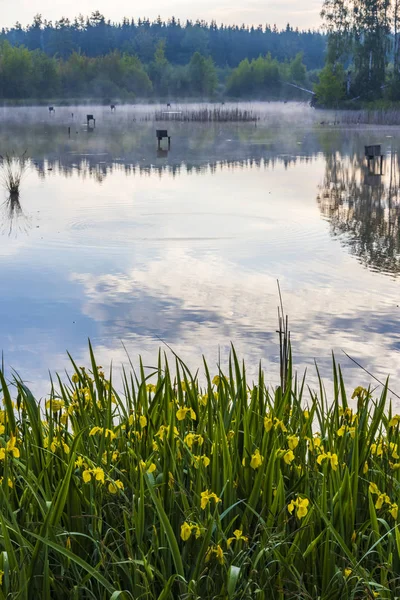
{"x": 90, "y": 118}
{"x": 160, "y": 135}
{"x": 372, "y": 153}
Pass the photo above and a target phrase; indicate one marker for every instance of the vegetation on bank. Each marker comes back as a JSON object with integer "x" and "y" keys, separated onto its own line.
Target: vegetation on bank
{"x": 355, "y": 61}
{"x": 169, "y": 489}
{"x": 26, "y": 74}
{"x": 363, "y": 51}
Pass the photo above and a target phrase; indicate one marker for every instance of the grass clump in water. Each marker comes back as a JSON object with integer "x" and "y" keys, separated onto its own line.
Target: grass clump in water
{"x": 12, "y": 170}
{"x": 171, "y": 490}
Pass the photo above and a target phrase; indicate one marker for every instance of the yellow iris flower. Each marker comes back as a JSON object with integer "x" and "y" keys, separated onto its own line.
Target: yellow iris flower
{"x": 114, "y": 486}
{"x": 256, "y": 460}
{"x": 206, "y": 496}
{"x": 238, "y": 535}
{"x": 288, "y": 457}
{"x": 217, "y": 552}
{"x": 332, "y": 458}
{"x": 301, "y": 506}
{"x": 54, "y": 405}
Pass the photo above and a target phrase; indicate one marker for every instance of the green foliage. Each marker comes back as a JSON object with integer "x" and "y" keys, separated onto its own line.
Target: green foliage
{"x": 331, "y": 88}
{"x": 265, "y": 76}
{"x": 108, "y": 75}
{"x": 255, "y": 77}
{"x": 298, "y": 71}
{"x": 198, "y": 78}
{"x": 32, "y": 74}
{"x": 360, "y": 36}
{"x": 16, "y": 71}
{"x": 202, "y": 75}
{"x": 171, "y": 490}
{"x": 46, "y": 76}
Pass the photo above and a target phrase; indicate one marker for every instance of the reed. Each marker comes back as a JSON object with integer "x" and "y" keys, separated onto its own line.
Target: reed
{"x": 208, "y": 115}
{"x": 382, "y": 116}
{"x": 12, "y": 170}
{"x": 169, "y": 489}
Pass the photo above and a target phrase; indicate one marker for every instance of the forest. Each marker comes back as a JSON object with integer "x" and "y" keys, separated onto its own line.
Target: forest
{"x": 227, "y": 45}
{"x": 353, "y": 60}
{"x": 363, "y": 51}
{"x": 95, "y": 58}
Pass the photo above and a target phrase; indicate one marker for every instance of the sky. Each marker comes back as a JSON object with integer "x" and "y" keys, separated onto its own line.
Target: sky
{"x": 302, "y": 14}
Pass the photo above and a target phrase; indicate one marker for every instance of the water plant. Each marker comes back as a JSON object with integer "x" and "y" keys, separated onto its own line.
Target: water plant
{"x": 386, "y": 116}
{"x": 171, "y": 489}
{"x": 12, "y": 170}
{"x": 208, "y": 115}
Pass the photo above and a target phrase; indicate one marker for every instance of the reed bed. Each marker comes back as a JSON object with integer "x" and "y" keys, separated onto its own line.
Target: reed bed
{"x": 208, "y": 115}
{"x": 370, "y": 117}
{"x": 171, "y": 490}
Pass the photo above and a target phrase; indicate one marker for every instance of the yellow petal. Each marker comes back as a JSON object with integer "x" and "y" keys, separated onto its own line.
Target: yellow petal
{"x": 186, "y": 531}
{"x": 347, "y": 572}
{"x": 373, "y": 488}
{"x": 87, "y": 476}
{"x": 181, "y": 414}
{"x": 288, "y": 457}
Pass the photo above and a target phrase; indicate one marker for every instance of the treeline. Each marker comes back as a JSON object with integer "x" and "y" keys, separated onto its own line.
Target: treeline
{"x": 32, "y": 74}
{"x": 226, "y": 45}
{"x": 363, "y": 54}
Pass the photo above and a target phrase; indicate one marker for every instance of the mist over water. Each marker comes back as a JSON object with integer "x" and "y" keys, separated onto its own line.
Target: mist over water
{"x": 117, "y": 240}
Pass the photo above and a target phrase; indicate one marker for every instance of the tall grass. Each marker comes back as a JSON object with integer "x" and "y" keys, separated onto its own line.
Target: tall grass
{"x": 383, "y": 116}
{"x": 12, "y": 170}
{"x": 171, "y": 490}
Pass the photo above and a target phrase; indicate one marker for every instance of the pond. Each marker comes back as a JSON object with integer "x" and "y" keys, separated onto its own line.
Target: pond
{"x": 136, "y": 247}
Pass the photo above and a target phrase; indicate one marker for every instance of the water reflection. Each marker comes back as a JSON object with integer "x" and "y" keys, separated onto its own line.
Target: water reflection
{"x": 362, "y": 206}
{"x": 120, "y": 140}
{"x": 91, "y": 167}
{"x": 13, "y": 220}
{"x": 363, "y": 209}
{"x": 129, "y": 244}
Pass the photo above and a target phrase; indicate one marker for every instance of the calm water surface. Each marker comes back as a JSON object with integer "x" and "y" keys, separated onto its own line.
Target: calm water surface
{"x": 117, "y": 241}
